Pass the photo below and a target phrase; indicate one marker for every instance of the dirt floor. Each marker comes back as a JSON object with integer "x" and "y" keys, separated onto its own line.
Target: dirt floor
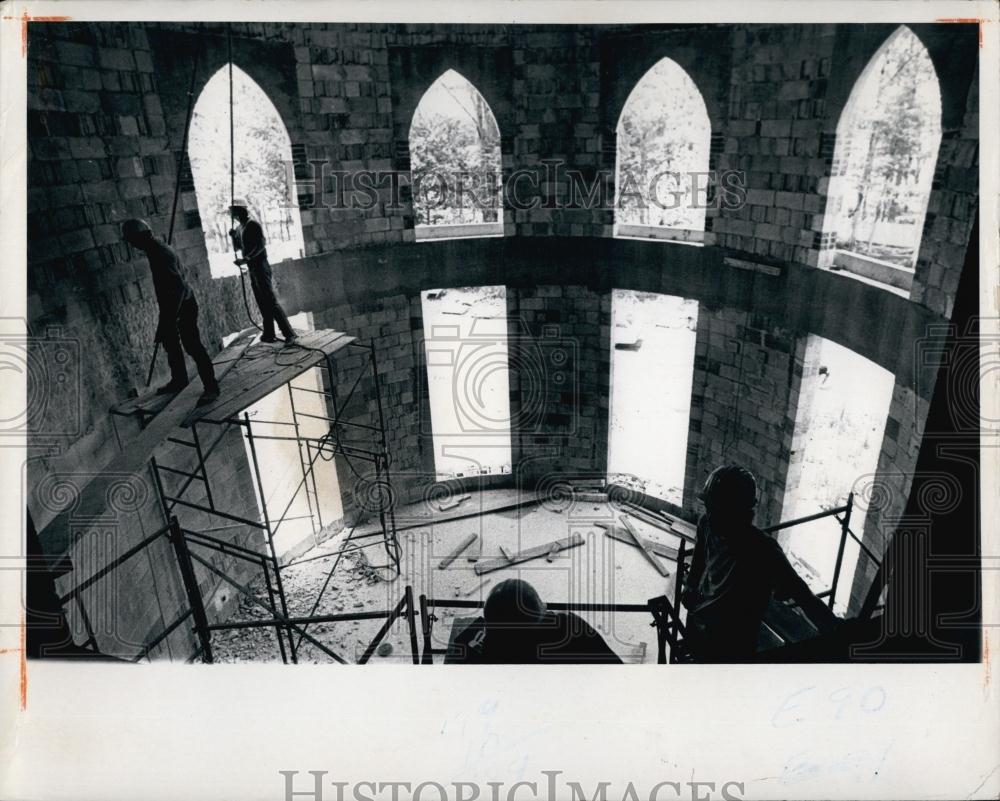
{"x": 601, "y": 570}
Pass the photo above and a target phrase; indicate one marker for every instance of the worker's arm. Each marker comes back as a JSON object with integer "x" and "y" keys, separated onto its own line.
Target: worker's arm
{"x": 171, "y": 291}
{"x": 693, "y": 576}
{"x": 790, "y": 584}
{"x": 252, "y": 240}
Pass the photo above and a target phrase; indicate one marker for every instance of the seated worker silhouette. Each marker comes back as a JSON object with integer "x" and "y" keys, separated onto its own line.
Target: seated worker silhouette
{"x": 248, "y": 238}
{"x": 177, "y": 324}
{"x": 516, "y": 628}
{"x": 735, "y": 569}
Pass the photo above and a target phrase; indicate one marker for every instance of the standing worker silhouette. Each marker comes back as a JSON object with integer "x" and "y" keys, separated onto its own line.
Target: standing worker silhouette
{"x": 249, "y": 239}
{"x": 735, "y": 570}
{"x": 178, "y": 320}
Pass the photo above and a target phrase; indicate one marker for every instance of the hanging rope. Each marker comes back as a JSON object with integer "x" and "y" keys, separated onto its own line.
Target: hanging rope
{"x": 232, "y": 169}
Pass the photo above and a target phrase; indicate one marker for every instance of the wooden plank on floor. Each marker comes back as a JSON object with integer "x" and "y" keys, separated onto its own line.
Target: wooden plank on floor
{"x": 659, "y": 549}
{"x": 646, "y": 551}
{"x": 572, "y": 541}
{"x": 458, "y": 551}
{"x": 672, "y": 526}
{"x": 459, "y": 513}
{"x": 682, "y": 527}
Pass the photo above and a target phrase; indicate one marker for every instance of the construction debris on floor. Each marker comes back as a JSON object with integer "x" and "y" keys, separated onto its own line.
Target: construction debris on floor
{"x": 582, "y": 551}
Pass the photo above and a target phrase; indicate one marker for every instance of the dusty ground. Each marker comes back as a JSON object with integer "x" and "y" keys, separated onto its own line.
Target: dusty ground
{"x": 599, "y": 571}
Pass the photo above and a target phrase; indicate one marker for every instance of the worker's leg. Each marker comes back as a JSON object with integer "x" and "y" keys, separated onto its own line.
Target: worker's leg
{"x": 187, "y": 322}
{"x": 265, "y": 282}
{"x": 175, "y": 358}
{"x": 259, "y": 284}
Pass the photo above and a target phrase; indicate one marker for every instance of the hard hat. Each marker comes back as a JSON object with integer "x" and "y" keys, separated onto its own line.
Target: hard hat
{"x": 513, "y": 601}
{"x": 239, "y": 203}
{"x": 135, "y": 227}
{"x": 732, "y": 484}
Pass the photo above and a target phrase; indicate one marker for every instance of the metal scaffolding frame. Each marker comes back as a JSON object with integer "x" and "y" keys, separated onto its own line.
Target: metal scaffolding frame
{"x": 310, "y": 449}
{"x": 427, "y": 618}
{"x": 665, "y": 613}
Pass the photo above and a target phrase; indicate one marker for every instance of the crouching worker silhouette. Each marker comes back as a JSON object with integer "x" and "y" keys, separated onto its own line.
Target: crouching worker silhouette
{"x": 178, "y": 320}
{"x": 249, "y": 239}
{"x": 735, "y": 569}
{"x": 516, "y": 628}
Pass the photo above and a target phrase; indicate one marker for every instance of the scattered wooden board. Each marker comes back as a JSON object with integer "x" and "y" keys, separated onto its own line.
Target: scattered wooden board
{"x": 648, "y": 517}
{"x": 647, "y": 552}
{"x": 530, "y": 553}
{"x": 658, "y": 519}
{"x": 659, "y": 549}
{"x": 444, "y": 507}
{"x": 475, "y": 551}
{"x": 458, "y": 550}
{"x": 685, "y": 529}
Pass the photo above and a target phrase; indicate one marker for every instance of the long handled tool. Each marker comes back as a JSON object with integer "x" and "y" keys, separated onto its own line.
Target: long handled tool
{"x": 152, "y": 364}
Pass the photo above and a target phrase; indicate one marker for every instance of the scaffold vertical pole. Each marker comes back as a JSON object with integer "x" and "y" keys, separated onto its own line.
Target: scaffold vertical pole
{"x": 176, "y": 537}
{"x": 382, "y": 474}
{"x": 412, "y": 625}
{"x": 844, "y": 526}
{"x": 274, "y": 605}
{"x": 302, "y": 463}
{"x": 270, "y": 536}
{"x": 201, "y": 465}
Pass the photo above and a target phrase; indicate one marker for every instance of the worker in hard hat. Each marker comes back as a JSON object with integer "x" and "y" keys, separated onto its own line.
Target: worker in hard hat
{"x": 248, "y": 238}
{"x": 518, "y": 628}
{"x": 734, "y": 571}
{"x": 177, "y": 325}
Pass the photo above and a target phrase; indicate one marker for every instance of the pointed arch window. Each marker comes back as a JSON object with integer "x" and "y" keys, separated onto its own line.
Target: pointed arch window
{"x": 455, "y": 162}
{"x": 883, "y": 166}
{"x": 661, "y": 175}
{"x": 262, "y": 152}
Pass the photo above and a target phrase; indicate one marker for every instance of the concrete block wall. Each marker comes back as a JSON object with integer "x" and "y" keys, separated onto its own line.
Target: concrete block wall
{"x": 743, "y": 400}
{"x": 950, "y": 213}
{"x": 559, "y": 337}
{"x": 387, "y": 324}
{"x": 772, "y": 134}
{"x": 99, "y": 155}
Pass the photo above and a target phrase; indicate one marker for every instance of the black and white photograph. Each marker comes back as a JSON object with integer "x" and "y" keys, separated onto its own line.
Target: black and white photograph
{"x": 567, "y": 344}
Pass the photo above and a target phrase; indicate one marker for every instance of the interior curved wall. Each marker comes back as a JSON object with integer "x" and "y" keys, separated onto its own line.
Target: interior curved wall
{"x": 106, "y": 117}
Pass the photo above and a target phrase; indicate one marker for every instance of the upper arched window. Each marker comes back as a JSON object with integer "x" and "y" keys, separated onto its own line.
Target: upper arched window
{"x": 883, "y": 166}
{"x": 455, "y": 162}
{"x": 663, "y": 140}
{"x": 262, "y": 151}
